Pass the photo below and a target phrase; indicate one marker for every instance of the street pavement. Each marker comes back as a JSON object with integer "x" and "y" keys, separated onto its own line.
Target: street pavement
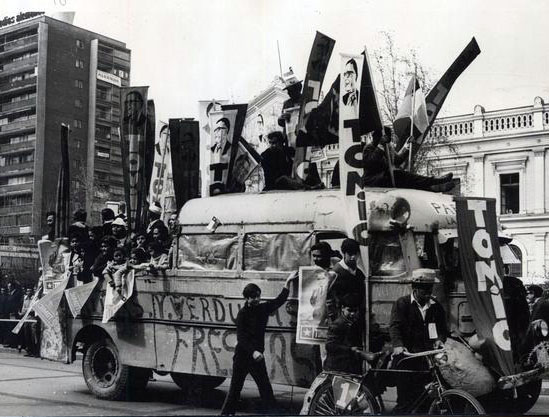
{"x": 38, "y": 387}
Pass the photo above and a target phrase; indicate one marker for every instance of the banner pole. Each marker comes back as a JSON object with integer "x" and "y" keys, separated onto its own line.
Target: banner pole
{"x": 412, "y": 122}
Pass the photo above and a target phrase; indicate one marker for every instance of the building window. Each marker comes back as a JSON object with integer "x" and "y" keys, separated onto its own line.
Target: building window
{"x": 510, "y": 196}
{"x": 79, "y": 63}
{"x": 78, "y": 103}
{"x": 515, "y": 270}
{"x": 77, "y": 123}
{"x": 79, "y": 83}
{"x": 79, "y": 44}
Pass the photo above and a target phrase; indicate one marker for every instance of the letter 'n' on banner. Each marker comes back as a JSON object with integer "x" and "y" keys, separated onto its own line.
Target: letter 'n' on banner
{"x": 350, "y": 156}
{"x": 482, "y": 271}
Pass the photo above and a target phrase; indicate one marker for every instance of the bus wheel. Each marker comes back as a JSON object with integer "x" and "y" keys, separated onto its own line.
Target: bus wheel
{"x": 106, "y": 377}
{"x": 202, "y": 382}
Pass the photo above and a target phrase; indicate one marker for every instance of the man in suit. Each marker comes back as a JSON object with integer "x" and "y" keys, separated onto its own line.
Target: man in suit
{"x": 221, "y": 139}
{"x": 350, "y": 75}
{"x": 418, "y": 323}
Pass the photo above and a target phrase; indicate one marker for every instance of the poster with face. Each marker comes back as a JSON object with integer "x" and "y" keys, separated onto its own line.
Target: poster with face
{"x": 312, "y": 319}
{"x": 222, "y": 125}
{"x": 205, "y": 107}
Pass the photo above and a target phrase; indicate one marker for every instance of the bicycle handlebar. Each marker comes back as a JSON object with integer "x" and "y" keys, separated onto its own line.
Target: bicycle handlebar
{"x": 424, "y": 353}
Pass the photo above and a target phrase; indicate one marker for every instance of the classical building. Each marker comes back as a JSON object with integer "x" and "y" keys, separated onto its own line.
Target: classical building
{"x": 52, "y": 72}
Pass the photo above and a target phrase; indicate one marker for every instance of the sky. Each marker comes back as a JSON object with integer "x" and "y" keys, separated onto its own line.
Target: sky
{"x": 189, "y": 50}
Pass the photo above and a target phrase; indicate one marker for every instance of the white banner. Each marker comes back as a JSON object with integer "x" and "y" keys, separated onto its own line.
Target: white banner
{"x": 46, "y": 307}
{"x": 114, "y": 299}
{"x": 77, "y": 296}
{"x": 161, "y": 188}
{"x": 312, "y": 319}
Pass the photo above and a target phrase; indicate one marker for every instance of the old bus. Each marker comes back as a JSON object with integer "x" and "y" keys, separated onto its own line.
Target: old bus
{"x": 182, "y": 322}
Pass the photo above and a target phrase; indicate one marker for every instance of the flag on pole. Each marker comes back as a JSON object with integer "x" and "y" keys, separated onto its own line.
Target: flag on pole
{"x": 63, "y": 187}
{"x": 369, "y": 115}
{"x": 46, "y": 307}
{"x": 411, "y": 119}
{"x": 246, "y": 160}
{"x": 77, "y": 296}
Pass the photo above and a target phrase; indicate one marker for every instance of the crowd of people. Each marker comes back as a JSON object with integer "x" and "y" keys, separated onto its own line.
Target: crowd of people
{"x": 15, "y": 300}
{"x": 108, "y": 250}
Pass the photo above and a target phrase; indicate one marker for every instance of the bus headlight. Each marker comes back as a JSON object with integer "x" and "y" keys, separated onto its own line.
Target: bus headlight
{"x": 541, "y": 328}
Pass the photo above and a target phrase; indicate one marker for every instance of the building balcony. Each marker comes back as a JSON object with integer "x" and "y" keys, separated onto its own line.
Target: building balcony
{"x": 17, "y": 147}
{"x": 23, "y": 124}
{"x": 29, "y": 62}
{"x": 9, "y": 87}
{"x": 18, "y": 45}
{"x": 24, "y": 168}
{"x": 22, "y": 209}
{"x": 6, "y": 189}
{"x": 17, "y": 106}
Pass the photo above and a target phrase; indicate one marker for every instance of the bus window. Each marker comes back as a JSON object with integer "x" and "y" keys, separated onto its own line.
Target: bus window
{"x": 215, "y": 252}
{"x": 276, "y": 251}
{"x": 385, "y": 253}
{"x": 426, "y": 253}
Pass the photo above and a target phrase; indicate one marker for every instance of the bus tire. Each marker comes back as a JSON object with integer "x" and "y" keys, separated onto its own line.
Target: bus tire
{"x": 106, "y": 377}
{"x": 190, "y": 381}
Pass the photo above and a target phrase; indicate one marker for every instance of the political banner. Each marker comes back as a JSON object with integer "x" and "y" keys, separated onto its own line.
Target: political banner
{"x": 161, "y": 188}
{"x": 437, "y": 95}
{"x": 205, "y": 107}
{"x": 114, "y": 300}
{"x": 246, "y": 161}
{"x": 133, "y": 102}
{"x": 350, "y": 154}
{"x": 312, "y": 318}
{"x": 482, "y": 271}
{"x": 148, "y": 156}
{"x": 46, "y": 307}
{"x": 52, "y": 260}
{"x": 184, "y": 148}
{"x": 223, "y": 127}
{"x": 76, "y": 297}
{"x": 241, "y": 110}
{"x": 63, "y": 187}
{"x": 319, "y": 58}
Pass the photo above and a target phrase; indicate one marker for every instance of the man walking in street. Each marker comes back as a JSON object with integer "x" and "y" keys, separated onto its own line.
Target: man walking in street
{"x": 250, "y": 346}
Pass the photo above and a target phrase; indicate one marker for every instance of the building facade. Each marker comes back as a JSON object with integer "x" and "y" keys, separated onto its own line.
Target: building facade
{"x": 54, "y": 73}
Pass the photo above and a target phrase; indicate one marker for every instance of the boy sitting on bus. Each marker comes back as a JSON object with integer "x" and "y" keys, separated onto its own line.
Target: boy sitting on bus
{"x": 112, "y": 273}
{"x": 344, "y": 341}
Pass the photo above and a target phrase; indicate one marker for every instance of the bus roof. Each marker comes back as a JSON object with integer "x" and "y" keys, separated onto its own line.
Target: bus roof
{"x": 323, "y": 208}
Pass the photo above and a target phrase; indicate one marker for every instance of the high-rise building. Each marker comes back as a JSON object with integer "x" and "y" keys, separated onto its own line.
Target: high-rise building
{"x": 52, "y": 72}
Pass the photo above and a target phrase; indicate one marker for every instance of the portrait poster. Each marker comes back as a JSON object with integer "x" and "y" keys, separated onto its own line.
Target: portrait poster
{"x": 205, "y": 107}
{"x": 52, "y": 260}
{"x": 312, "y": 318}
{"x": 222, "y": 127}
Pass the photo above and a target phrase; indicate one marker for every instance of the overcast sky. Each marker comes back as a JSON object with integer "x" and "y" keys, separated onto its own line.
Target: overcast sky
{"x": 189, "y": 50}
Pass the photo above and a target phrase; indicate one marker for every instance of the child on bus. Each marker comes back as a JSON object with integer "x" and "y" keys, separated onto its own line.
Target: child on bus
{"x": 159, "y": 259}
{"x": 112, "y": 271}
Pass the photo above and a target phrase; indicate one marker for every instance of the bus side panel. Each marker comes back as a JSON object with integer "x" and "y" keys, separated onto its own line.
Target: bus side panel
{"x": 129, "y": 329}
{"x": 195, "y": 333}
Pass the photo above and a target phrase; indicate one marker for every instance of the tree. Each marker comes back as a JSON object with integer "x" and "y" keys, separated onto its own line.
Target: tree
{"x": 394, "y": 69}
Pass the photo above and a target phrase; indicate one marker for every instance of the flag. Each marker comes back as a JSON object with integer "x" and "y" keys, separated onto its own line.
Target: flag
{"x": 184, "y": 143}
{"x": 76, "y": 297}
{"x": 63, "y": 187}
{"x": 46, "y": 307}
{"x": 319, "y": 58}
{"x": 435, "y": 98}
{"x": 241, "y": 110}
{"x": 482, "y": 271}
{"x": 369, "y": 116}
{"x": 161, "y": 186}
{"x": 133, "y": 102}
{"x": 115, "y": 300}
{"x": 405, "y": 116}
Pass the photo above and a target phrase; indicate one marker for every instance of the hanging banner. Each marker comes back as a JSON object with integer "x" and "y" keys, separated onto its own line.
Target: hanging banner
{"x": 350, "y": 156}
{"x": 204, "y": 110}
{"x": 148, "y": 158}
{"x": 76, "y": 297}
{"x": 63, "y": 187}
{"x": 46, "y": 307}
{"x": 184, "y": 147}
{"x": 312, "y": 318}
{"x": 114, "y": 300}
{"x": 316, "y": 69}
{"x": 482, "y": 271}
{"x": 246, "y": 160}
{"x": 241, "y": 110}
{"x": 223, "y": 125}
{"x": 52, "y": 261}
{"x": 161, "y": 188}
{"x": 133, "y": 102}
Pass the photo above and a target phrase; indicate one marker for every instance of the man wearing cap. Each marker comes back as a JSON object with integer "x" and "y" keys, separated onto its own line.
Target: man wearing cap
{"x": 249, "y": 358}
{"x": 418, "y": 323}
{"x": 155, "y": 212}
{"x": 120, "y": 233}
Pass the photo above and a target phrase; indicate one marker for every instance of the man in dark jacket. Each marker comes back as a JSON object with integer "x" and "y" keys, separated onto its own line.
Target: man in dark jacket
{"x": 250, "y": 345}
{"x": 418, "y": 323}
{"x": 377, "y": 170}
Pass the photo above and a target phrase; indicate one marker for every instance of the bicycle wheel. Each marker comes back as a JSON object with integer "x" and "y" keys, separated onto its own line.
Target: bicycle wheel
{"x": 456, "y": 402}
{"x": 324, "y": 404}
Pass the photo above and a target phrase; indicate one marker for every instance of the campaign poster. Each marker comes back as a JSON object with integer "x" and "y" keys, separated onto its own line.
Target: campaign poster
{"x": 222, "y": 125}
{"x": 312, "y": 318}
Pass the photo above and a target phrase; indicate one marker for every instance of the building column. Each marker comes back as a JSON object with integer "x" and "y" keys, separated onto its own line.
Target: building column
{"x": 537, "y": 114}
{"x": 539, "y": 254}
{"x": 539, "y": 180}
{"x": 478, "y": 120}
{"x": 477, "y": 177}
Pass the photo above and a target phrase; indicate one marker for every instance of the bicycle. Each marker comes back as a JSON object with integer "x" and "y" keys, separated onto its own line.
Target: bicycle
{"x": 339, "y": 394}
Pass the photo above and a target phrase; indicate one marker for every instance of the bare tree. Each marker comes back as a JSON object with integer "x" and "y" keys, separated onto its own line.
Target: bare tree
{"x": 394, "y": 68}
